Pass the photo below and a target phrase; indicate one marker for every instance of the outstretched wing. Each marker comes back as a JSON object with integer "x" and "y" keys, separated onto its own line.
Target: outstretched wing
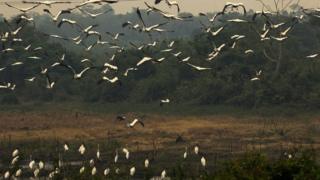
{"x": 140, "y": 17}
{"x": 157, "y": 1}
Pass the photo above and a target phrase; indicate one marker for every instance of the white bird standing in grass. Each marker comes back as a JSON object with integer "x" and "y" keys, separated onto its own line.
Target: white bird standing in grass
{"x": 60, "y": 163}
{"x": 81, "y": 171}
{"x": 7, "y": 175}
{"x": 116, "y": 157}
{"x": 132, "y": 171}
{"x": 41, "y": 165}
{"x": 146, "y": 163}
{"x": 15, "y": 153}
{"x": 106, "y": 172}
{"x": 66, "y": 147}
{"x": 98, "y": 152}
{"x": 94, "y": 171}
{"x": 163, "y": 174}
{"x": 117, "y": 170}
{"x": 203, "y": 162}
{"x": 51, "y": 175}
{"x": 18, "y": 173}
{"x": 15, "y": 160}
{"x": 196, "y": 149}
{"x": 82, "y": 149}
{"x": 185, "y": 154}
{"x": 91, "y": 162}
{"x": 36, "y": 172}
{"x": 126, "y": 152}
{"x": 32, "y": 164}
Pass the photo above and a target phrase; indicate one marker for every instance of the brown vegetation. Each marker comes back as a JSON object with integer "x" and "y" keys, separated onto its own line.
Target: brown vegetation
{"x": 217, "y": 133}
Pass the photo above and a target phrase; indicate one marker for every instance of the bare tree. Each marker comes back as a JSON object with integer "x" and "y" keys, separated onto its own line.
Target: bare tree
{"x": 273, "y": 50}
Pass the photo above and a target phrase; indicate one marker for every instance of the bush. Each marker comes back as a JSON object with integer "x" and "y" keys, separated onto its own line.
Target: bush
{"x": 256, "y": 166}
{"x": 9, "y": 99}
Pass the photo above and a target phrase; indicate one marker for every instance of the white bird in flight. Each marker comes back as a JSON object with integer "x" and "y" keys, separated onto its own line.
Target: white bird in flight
{"x": 134, "y": 122}
{"x": 198, "y": 68}
{"x": 312, "y": 56}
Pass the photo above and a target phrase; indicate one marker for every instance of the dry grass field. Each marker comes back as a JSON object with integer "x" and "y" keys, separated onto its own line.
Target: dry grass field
{"x": 215, "y": 133}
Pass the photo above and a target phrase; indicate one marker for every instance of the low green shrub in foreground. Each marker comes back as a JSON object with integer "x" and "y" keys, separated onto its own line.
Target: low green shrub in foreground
{"x": 295, "y": 166}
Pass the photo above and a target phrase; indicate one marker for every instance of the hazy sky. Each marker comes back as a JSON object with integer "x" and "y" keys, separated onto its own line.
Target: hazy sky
{"x": 194, "y": 6}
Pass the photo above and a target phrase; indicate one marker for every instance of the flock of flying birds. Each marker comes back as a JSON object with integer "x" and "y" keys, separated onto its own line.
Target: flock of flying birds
{"x": 60, "y": 20}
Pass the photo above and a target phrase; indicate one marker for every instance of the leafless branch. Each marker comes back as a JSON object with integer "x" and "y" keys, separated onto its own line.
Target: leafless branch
{"x": 268, "y": 57}
{"x": 290, "y": 3}
{"x": 265, "y": 6}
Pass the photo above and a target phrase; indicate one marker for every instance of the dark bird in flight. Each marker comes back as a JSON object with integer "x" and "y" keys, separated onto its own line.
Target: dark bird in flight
{"x": 121, "y": 118}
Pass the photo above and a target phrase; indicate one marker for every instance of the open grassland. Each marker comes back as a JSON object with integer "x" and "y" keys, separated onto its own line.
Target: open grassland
{"x": 217, "y": 130}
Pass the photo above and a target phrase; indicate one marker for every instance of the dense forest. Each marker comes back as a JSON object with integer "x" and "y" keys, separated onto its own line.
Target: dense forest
{"x": 288, "y": 77}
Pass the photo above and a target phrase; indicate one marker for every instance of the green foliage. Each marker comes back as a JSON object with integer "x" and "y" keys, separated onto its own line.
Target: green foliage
{"x": 9, "y": 99}
{"x": 228, "y": 83}
{"x": 252, "y": 166}
{"x": 302, "y": 165}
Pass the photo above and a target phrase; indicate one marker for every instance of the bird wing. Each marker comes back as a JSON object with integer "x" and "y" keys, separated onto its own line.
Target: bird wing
{"x": 84, "y": 70}
{"x": 68, "y": 67}
{"x": 22, "y": 9}
{"x": 48, "y": 11}
{"x": 140, "y": 16}
{"x": 140, "y": 122}
{"x": 174, "y": 3}
{"x": 62, "y": 12}
{"x": 143, "y": 60}
{"x": 157, "y": 1}
{"x": 48, "y": 80}
{"x": 126, "y": 24}
{"x": 198, "y": 67}
{"x": 244, "y": 8}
